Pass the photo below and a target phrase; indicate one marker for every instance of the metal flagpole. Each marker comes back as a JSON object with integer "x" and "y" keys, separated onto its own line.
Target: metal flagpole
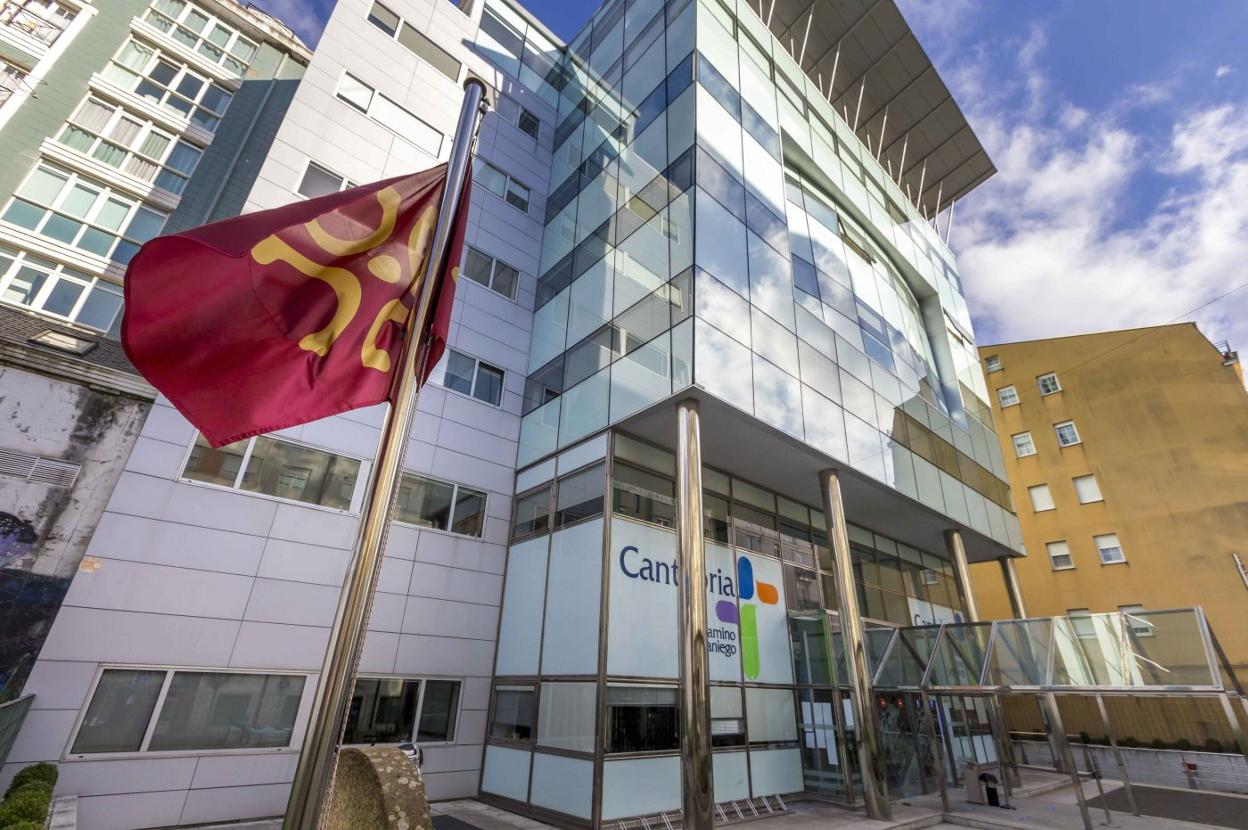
{"x": 314, "y": 776}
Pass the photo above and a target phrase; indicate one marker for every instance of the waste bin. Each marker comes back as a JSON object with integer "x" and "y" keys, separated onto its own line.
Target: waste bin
{"x": 971, "y": 778}
{"x": 988, "y": 785}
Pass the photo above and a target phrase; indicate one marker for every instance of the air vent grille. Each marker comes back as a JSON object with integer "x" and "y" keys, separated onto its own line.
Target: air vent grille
{"x": 37, "y": 468}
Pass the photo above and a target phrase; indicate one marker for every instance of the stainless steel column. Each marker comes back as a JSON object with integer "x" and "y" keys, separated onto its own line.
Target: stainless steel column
{"x": 1058, "y": 739}
{"x": 695, "y": 692}
{"x": 957, "y": 550}
{"x": 1119, "y": 758}
{"x": 862, "y": 698}
{"x": 1009, "y": 575}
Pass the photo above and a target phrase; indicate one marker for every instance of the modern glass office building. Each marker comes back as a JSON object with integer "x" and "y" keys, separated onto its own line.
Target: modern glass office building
{"x": 696, "y": 203}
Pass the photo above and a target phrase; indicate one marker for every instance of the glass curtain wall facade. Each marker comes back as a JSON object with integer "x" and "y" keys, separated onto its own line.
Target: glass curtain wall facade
{"x": 713, "y": 224}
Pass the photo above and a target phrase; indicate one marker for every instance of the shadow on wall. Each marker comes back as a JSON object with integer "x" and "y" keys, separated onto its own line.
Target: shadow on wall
{"x": 28, "y": 604}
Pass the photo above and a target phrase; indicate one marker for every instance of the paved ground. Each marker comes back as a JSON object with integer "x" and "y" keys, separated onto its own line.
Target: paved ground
{"x": 1216, "y": 809}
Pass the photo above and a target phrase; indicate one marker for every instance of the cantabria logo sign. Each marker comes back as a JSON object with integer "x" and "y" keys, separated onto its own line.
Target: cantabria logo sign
{"x": 733, "y": 616}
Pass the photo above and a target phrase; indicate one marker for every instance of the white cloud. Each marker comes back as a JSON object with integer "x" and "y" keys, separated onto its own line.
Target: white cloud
{"x": 305, "y": 17}
{"x": 1222, "y": 71}
{"x": 1054, "y": 244}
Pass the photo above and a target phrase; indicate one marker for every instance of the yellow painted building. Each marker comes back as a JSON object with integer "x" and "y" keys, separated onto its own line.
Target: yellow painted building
{"x": 1127, "y": 455}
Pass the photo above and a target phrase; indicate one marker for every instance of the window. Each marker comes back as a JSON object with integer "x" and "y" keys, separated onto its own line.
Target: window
{"x": 1110, "y": 549}
{"x": 389, "y": 114}
{"x": 513, "y": 713}
{"x": 12, "y": 78}
{"x": 494, "y": 274}
{"x": 532, "y": 513}
{"x": 392, "y": 710}
{"x": 276, "y": 468}
{"x": 500, "y": 184}
{"x": 1087, "y": 489}
{"x": 168, "y": 82}
{"x": 566, "y": 716}
{"x": 642, "y": 718}
{"x": 579, "y": 496}
{"x": 76, "y": 211}
{"x": 1008, "y": 396}
{"x": 43, "y": 20}
{"x": 1041, "y": 498}
{"x": 649, "y": 497}
{"x": 199, "y": 711}
{"x": 415, "y": 42}
{"x": 1048, "y": 384}
{"x": 57, "y": 290}
{"x": 320, "y": 181}
{"x": 202, "y": 33}
{"x": 130, "y": 143}
{"x": 469, "y": 376}
{"x": 1067, "y": 435}
{"x": 440, "y": 505}
{"x": 1137, "y": 624}
{"x": 529, "y": 124}
{"x": 1059, "y": 556}
{"x": 1082, "y": 624}
{"x": 993, "y": 362}
{"x": 727, "y": 716}
{"x": 1023, "y": 445}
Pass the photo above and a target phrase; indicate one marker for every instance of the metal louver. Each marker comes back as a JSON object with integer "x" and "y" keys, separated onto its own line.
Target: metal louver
{"x": 37, "y": 468}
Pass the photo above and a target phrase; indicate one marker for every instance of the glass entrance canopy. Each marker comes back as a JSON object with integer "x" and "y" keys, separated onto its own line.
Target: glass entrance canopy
{"x": 1139, "y": 652}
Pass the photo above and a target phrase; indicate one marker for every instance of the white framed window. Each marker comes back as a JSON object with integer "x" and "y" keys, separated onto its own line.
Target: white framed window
{"x": 1110, "y": 549}
{"x": 441, "y": 505}
{"x": 52, "y": 288}
{"x": 1048, "y": 383}
{"x": 529, "y": 123}
{"x": 389, "y": 114}
{"x": 278, "y": 468}
{"x": 167, "y": 81}
{"x": 1138, "y": 624}
{"x": 993, "y": 363}
{"x": 1023, "y": 445}
{"x": 43, "y": 20}
{"x": 493, "y": 273}
{"x": 132, "y": 709}
{"x": 500, "y": 184}
{"x": 396, "y": 710}
{"x": 1041, "y": 498}
{"x": 1059, "y": 556}
{"x": 413, "y": 40}
{"x": 1081, "y": 622}
{"x": 12, "y": 78}
{"x": 130, "y": 143}
{"x": 1007, "y": 396}
{"x": 203, "y": 33}
{"x": 77, "y": 211}
{"x": 1087, "y": 489}
{"x": 319, "y": 180}
{"x": 1067, "y": 435}
{"x": 467, "y": 375}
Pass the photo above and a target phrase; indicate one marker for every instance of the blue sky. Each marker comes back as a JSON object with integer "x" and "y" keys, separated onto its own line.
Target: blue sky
{"x": 1120, "y": 133}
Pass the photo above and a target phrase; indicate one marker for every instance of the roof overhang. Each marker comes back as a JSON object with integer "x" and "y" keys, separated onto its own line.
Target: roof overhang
{"x": 876, "y": 74}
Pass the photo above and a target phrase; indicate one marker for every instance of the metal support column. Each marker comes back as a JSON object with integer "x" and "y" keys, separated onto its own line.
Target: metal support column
{"x": 1236, "y": 729}
{"x": 1119, "y": 758}
{"x": 1009, "y": 574}
{"x": 957, "y": 552}
{"x": 874, "y": 789}
{"x": 695, "y": 692}
{"x": 933, "y": 727}
{"x": 1057, "y": 737}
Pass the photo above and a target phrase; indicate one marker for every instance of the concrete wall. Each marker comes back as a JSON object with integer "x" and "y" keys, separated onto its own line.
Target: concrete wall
{"x": 45, "y": 528}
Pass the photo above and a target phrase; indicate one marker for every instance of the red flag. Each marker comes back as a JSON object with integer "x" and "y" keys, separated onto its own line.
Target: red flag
{"x": 281, "y": 317}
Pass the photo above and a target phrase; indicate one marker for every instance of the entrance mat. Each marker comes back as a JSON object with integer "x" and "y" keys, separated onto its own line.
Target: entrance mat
{"x": 452, "y": 823}
{"x": 1183, "y": 805}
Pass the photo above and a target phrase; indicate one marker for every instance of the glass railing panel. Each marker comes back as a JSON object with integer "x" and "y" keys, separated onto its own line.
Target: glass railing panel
{"x": 959, "y": 658}
{"x": 1090, "y": 651}
{"x": 1169, "y": 649}
{"x": 1020, "y": 653}
{"x": 906, "y": 662}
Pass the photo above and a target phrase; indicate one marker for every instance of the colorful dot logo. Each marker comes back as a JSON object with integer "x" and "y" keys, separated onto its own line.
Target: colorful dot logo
{"x": 749, "y": 589}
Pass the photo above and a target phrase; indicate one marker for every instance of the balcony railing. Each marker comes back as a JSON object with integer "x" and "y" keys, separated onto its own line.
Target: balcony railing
{"x": 43, "y": 21}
